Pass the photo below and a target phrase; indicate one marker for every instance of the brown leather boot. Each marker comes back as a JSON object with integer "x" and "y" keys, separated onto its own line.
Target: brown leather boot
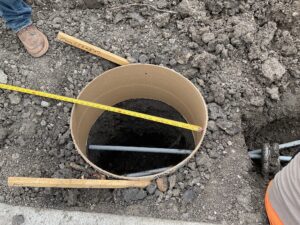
{"x": 35, "y": 42}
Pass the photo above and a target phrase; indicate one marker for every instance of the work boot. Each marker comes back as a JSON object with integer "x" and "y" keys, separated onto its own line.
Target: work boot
{"x": 34, "y": 41}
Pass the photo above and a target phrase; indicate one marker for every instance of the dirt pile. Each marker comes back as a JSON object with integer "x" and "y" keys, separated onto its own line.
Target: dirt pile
{"x": 242, "y": 55}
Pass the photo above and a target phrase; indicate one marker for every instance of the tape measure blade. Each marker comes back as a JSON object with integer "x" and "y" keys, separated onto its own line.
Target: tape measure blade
{"x": 103, "y": 107}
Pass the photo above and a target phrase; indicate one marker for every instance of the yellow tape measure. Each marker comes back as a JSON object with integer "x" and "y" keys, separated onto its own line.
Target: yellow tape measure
{"x": 103, "y": 107}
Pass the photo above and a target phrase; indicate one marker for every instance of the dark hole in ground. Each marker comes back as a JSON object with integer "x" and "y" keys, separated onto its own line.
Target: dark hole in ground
{"x": 120, "y": 130}
{"x": 280, "y": 131}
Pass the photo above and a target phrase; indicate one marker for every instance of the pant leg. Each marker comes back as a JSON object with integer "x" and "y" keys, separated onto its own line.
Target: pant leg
{"x": 271, "y": 213}
{"x": 16, "y": 13}
{"x": 284, "y": 193}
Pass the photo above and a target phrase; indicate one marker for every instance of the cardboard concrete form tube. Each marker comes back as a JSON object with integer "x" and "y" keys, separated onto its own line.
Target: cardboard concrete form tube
{"x": 132, "y": 82}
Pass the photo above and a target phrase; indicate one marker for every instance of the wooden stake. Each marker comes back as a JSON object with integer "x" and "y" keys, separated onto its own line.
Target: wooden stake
{"x": 91, "y": 49}
{"x": 74, "y": 183}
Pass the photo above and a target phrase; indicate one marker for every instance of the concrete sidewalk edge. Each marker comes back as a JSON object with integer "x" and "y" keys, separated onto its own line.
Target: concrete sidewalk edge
{"x": 33, "y": 216}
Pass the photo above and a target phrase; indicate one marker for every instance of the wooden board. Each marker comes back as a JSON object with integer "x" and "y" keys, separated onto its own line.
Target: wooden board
{"x": 74, "y": 183}
{"x": 91, "y": 49}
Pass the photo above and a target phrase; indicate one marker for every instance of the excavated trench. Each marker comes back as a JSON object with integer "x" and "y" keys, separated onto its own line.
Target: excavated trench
{"x": 118, "y": 130}
{"x": 279, "y": 131}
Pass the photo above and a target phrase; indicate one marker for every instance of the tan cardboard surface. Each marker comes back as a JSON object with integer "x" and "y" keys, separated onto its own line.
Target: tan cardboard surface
{"x": 138, "y": 81}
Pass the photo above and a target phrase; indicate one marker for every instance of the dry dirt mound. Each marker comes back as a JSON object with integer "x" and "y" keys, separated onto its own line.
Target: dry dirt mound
{"x": 242, "y": 55}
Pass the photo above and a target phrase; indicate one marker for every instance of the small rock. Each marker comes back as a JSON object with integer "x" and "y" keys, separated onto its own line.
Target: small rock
{"x": 190, "y": 73}
{"x": 193, "y": 8}
{"x": 143, "y": 58}
{"x": 45, "y": 104}
{"x": 203, "y": 161}
{"x": 134, "y": 194}
{"x": 215, "y": 111}
{"x": 196, "y": 35}
{"x": 266, "y": 33}
{"x": 213, "y": 154}
{"x": 119, "y": 17}
{"x": 223, "y": 39}
{"x": 273, "y": 69}
{"x": 242, "y": 29}
{"x": 20, "y": 141}
{"x": 43, "y": 123}
{"x": 14, "y": 99}
{"x": 204, "y": 61}
{"x": 180, "y": 177}
{"x": 72, "y": 197}
{"x": 212, "y": 126}
{"x": 250, "y": 218}
{"x": 173, "y": 62}
{"x": 161, "y": 20}
{"x": 206, "y": 176}
{"x": 215, "y": 7}
{"x": 183, "y": 56}
{"x": 162, "y": 4}
{"x": 96, "y": 69}
{"x": 176, "y": 192}
{"x": 15, "y": 156}
{"x": 189, "y": 196}
{"x": 3, "y": 134}
{"x": 273, "y": 92}
{"x": 172, "y": 40}
{"x": 57, "y": 20}
{"x": 255, "y": 52}
{"x": 151, "y": 188}
{"x": 158, "y": 193}
{"x": 66, "y": 109}
{"x": 257, "y": 101}
{"x": 211, "y": 218}
{"x": 288, "y": 50}
{"x": 219, "y": 48}
{"x": 229, "y": 127}
{"x": 64, "y": 137}
{"x": 192, "y": 165}
{"x": 93, "y": 4}
{"x": 224, "y": 53}
{"x": 207, "y": 37}
{"x": 172, "y": 181}
{"x": 287, "y": 45}
{"x": 249, "y": 38}
{"x": 2, "y": 163}
{"x": 181, "y": 185}
{"x": 211, "y": 46}
{"x": 18, "y": 220}
{"x": 184, "y": 8}
{"x": 162, "y": 184}
{"x": 200, "y": 82}
{"x": 137, "y": 17}
{"x": 3, "y": 77}
{"x": 63, "y": 173}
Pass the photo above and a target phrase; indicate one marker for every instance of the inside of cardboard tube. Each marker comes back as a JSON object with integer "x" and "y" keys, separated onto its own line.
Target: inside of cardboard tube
{"x": 112, "y": 129}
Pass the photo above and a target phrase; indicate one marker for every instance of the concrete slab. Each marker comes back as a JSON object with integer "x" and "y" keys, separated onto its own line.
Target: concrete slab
{"x": 17, "y": 215}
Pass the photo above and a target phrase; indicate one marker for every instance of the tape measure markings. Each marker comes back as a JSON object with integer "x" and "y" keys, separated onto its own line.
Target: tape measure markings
{"x": 103, "y": 107}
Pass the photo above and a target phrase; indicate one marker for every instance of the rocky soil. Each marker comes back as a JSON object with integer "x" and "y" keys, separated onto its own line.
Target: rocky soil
{"x": 242, "y": 55}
